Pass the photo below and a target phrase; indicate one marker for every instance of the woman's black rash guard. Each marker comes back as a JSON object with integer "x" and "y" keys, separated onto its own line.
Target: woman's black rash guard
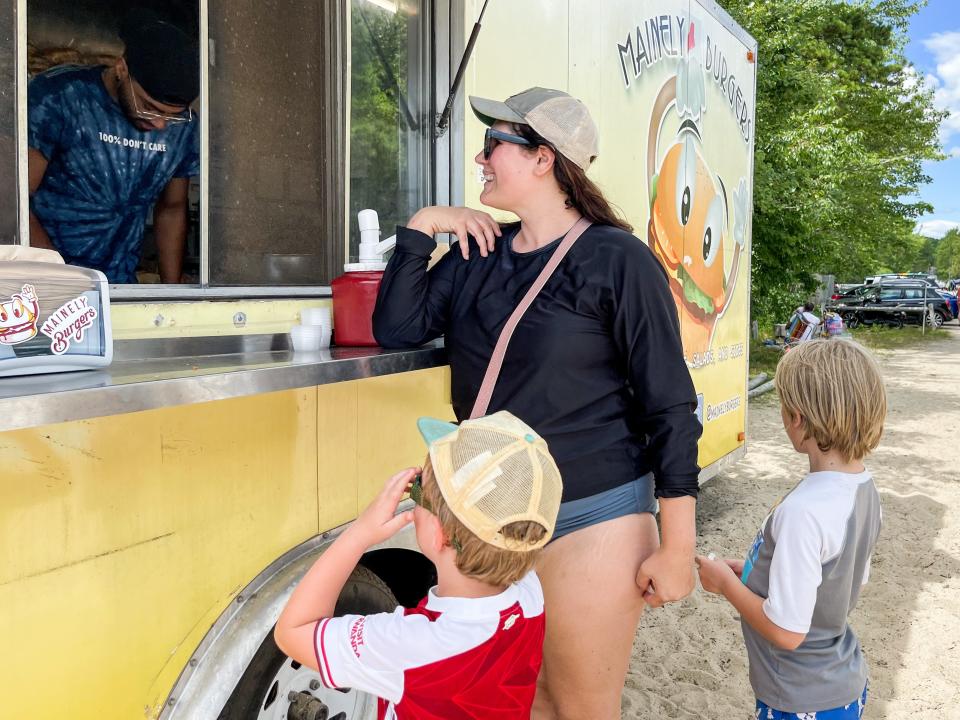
{"x": 595, "y": 365}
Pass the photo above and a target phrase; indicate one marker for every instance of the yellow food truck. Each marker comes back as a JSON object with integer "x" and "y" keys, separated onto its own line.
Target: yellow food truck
{"x": 156, "y": 513}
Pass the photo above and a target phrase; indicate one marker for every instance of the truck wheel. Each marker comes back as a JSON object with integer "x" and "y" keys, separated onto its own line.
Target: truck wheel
{"x": 274, "y": 687}
{"x": 851, "y": 321}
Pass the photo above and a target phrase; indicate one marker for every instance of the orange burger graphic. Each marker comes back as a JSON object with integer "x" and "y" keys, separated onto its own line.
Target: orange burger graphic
{"x": 689, "y": 210}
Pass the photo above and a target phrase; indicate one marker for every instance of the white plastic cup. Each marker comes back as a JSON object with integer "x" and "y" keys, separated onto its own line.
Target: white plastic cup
{"x": 316, "y": 316}
{"x": 308, "y": 358}
{"x": 309, "y": 338}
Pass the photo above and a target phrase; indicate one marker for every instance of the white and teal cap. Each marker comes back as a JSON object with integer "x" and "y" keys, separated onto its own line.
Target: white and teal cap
{"x": 493, "y": 471}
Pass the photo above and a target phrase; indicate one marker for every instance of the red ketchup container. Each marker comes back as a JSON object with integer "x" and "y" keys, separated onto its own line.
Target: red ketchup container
{"x": 354, "y": 297}
{"x": 355, "y": 292}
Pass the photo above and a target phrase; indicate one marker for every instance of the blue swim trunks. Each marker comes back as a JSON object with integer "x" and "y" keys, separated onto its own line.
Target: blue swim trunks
{"x": 853, "y": 711}
{"x": 634, "y": 497}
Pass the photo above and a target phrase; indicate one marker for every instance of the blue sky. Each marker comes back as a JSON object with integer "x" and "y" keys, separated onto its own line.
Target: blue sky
{"x": 934, "y": 49}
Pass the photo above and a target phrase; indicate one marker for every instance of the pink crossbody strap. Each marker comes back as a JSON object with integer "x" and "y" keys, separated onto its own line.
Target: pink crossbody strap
{"x": 496, "y": 360}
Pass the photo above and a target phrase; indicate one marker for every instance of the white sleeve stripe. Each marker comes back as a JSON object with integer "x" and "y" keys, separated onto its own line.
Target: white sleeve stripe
{"x": 322, "y": 665}
{"x": 316, "y": 651}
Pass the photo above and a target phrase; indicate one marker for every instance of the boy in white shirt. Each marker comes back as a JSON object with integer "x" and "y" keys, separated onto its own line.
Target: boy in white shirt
{"x": 803, "y": 573}
{"x": 487, "y": 501}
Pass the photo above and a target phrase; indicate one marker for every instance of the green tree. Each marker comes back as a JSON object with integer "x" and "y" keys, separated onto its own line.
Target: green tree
{"x": 948, "y": 255}
{"x": 843, "y": 126}
{"x": 926, "y": 255}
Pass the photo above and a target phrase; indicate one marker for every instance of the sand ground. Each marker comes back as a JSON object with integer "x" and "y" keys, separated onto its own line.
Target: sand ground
{"x": 688, "y": 659}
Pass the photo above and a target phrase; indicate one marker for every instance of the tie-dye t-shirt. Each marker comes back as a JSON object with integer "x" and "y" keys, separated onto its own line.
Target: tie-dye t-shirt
{"x": 103, "y": 174}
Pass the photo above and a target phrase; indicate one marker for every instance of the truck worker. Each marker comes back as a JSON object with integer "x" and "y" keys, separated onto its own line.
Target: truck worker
{"x": 106, "y": 143}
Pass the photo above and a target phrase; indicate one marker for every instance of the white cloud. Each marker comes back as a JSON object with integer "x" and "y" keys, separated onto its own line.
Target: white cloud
{"x": 954, "y": 151}
{"x": 912, "y": 78}
{"x": 945, "y": 48}
{"x": 935, "y": 228}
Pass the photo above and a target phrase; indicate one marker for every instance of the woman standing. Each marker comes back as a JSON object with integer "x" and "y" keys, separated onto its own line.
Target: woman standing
{"x": 595, "y": 366}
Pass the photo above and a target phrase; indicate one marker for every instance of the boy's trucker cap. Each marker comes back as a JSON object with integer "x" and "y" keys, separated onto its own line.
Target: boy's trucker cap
{"x": 493, "y": 471}
{"x": 560, "y": 119}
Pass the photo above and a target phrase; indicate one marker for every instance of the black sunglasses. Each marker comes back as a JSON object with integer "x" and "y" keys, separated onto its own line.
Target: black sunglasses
{"x": 492, "y": 138}
{"x": 416, "y": 494}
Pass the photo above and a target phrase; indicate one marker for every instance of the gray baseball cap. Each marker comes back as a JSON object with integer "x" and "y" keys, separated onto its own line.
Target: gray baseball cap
{"x": 560, "y": 119}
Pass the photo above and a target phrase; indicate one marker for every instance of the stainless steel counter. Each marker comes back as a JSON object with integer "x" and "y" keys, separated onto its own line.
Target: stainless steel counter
{"x": 130, "y": 385}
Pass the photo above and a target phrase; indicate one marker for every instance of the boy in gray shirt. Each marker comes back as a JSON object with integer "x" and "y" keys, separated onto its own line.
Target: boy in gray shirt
{"x": 803, "y": 573}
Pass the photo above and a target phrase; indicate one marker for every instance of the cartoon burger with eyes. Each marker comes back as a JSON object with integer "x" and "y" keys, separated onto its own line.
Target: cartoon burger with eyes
{"x": 18, "y": 317}
{"x": 689, "y": 216}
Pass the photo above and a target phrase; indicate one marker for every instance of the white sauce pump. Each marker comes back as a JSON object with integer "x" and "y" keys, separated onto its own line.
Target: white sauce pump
{"x": 372, "y": 249}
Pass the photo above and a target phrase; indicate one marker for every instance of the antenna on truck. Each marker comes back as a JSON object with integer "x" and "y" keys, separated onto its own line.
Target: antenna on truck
{"x": 468, "y": 51}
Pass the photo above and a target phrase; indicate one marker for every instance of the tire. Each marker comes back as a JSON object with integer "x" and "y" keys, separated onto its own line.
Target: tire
{"x": 851, "y": 320}
{"x": 938, "y": 319}
{"x": 262, "y": 691}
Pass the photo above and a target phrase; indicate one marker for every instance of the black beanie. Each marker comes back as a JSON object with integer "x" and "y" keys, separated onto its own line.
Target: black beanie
{"x": 161, "y": 57}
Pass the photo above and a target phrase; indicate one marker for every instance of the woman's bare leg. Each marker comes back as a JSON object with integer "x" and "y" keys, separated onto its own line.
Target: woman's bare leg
{"x": 593, "y": 606}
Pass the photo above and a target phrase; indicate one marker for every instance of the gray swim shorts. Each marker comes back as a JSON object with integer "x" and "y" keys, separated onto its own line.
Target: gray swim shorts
{"x": 634, "y": 497}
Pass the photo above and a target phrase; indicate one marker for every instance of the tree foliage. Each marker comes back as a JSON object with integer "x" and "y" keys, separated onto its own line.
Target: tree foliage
{"x": 843, "y": 126}
{"x": 948, "y": 255}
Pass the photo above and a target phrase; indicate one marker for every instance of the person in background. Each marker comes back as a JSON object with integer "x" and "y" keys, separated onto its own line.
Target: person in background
{"x": 487, "y": 501}
{"x": 107, "y": 143}
{"x": 806, "y": 312}
{"x": 803, "y": 574}
{"x": 803, "y": 325}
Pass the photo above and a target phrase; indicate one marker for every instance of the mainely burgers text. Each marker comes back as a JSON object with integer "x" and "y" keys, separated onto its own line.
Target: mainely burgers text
{"x": 68, "y": 321}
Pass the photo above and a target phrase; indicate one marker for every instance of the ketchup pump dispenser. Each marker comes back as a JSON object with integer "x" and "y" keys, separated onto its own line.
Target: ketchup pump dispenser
{"x": 355, "y": 292}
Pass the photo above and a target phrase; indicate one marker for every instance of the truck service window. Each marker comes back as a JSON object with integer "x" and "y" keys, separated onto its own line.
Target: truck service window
{"x": 276, "y": 142}
{"x": 113, "y": 136}
{"x": 279, "y": 169}
{"x": 314, "y": 111}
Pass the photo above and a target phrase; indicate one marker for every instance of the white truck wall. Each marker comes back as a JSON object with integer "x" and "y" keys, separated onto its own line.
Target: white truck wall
{"x": 675, "y": 110}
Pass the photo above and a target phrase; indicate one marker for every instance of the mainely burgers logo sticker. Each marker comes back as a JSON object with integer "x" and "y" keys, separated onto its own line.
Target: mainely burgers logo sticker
{"x": 69, "y": 321}
{"x": 18, "y": 317}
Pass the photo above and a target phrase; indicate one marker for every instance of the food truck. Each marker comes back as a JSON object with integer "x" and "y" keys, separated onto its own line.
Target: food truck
{"x": 155, "y": 512}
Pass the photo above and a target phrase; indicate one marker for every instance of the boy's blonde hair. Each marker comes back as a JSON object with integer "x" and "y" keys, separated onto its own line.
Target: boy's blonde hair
{"x": 836, "y": 388}
{"x": 475, "y": 558}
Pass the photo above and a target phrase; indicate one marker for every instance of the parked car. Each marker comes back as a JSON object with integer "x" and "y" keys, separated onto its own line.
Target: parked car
{"x": 951, "y": 298}
{"x": 891, "y": 302}
{"x": 925, "y": 277}
{"x": 843, "y": 292}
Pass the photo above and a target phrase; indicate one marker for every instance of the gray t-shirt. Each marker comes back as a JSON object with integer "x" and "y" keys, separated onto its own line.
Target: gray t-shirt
{"x": 809, "y": 561}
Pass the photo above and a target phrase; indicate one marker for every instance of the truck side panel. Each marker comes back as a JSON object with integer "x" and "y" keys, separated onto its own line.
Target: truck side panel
{"x": 125, "y": 537}
{"x": 671, "y": 87}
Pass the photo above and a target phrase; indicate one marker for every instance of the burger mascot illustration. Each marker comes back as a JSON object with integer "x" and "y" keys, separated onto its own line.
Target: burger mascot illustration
{"x": 18, "y": 317}
{"x": 689, "y": 209}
